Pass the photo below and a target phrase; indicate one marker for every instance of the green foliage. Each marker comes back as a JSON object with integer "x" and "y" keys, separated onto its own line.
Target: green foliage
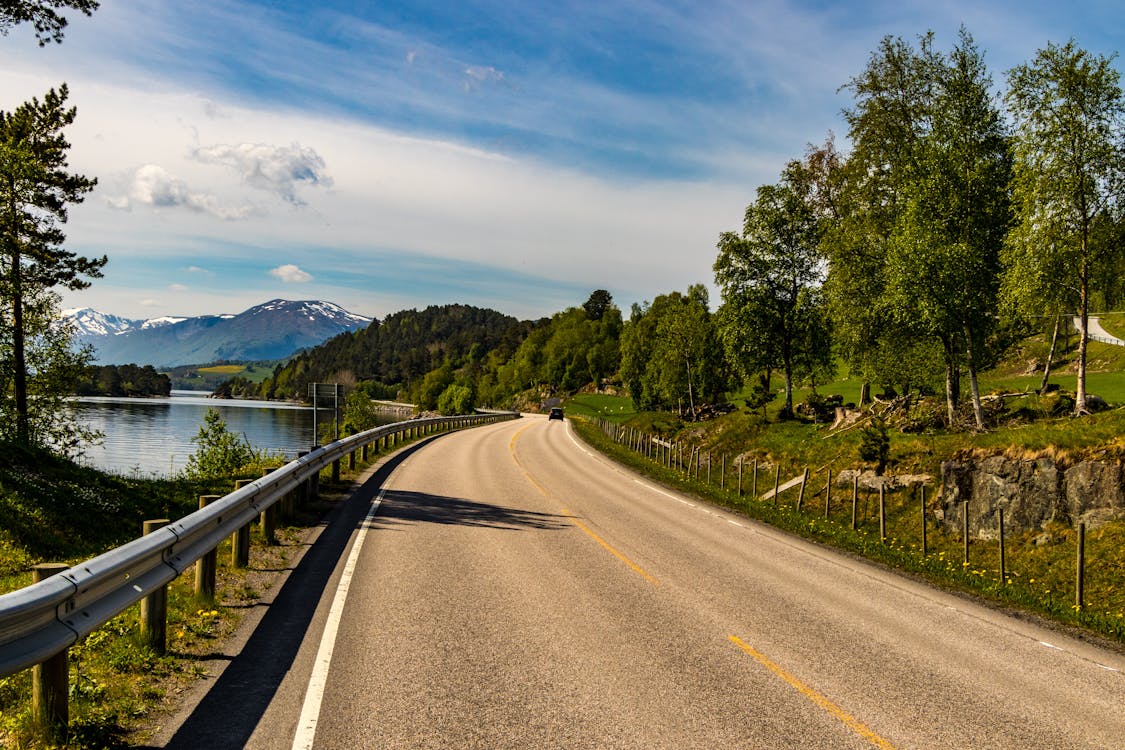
{"x": 360, "y": 413}
{"x": 773, "y": 314}
{"x": 455, "y": 399}
{"x": 875, "y": 444}
{"x": 54, "y": 365}
{"x": 42, "y": 15}
{"x": 35, "y": 191}
{"x": 220, "y": 452}
{"x": 123, "y": 380}
{"x": 670, "y": 354}
{"x": 1069, "y": 113}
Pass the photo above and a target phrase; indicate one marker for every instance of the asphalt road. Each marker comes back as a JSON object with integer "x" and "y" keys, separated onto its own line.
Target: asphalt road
{"x": 513, "y": 590}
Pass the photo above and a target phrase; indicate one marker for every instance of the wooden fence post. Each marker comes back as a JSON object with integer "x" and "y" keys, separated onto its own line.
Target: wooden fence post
{"x": 776, "y": 482}
{"x": 965, "y": 528}
{"x": 154, "y": 607}
{"x": 855, "y": 498}
{"x": 922, "y": 491}
{"x": 50, "y": 679}
{"x": 1003, "y": 567}
{"x": 205, "y": 567}
{"x": 801, "y": 494}
{"x": 828, "y": 493}
{"x": 1080, "y": 572}
{"x": 882, "y": 512}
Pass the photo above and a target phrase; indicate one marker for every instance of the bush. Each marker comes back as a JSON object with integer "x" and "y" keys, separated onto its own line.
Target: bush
{"x": 456, "y": 399}
{"x": 220, "y": 451}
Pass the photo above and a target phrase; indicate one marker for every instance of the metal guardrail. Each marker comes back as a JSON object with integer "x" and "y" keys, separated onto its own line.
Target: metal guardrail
{"x": 45, "y": 618}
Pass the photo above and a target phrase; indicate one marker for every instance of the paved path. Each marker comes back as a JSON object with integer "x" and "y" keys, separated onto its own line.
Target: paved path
{"x": 515, "y": 591}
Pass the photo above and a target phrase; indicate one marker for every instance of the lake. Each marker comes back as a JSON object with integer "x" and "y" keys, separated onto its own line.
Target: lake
{"x": 153, "y": 435}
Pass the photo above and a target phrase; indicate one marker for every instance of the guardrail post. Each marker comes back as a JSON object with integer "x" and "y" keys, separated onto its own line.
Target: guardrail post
{"x": 363, "y": 452}
{"x": 314, "y": 486}
{"x": 50, "y": 679}
{"x": 303, "y": 490}
{"x": 240, "y": 542}
{"x": 336, "y": 471}
{"x": 154, "y": 607}
{"x": 205, "y": 568}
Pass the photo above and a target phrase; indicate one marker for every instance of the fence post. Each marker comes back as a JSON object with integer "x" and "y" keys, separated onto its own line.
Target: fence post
{"x": 776, "y": 482}
{"x": 154, "y": 607}
{"x": 965, "y": 528}
{"x": 336, "y": 471}
{"x": 754, "y": 486}
{"x": 1003, "y": 567}
{"x": 50, "y": 688}
{"x": 205, "y": 568}
{"x": 801, "y": 494}
{"x": 364, "y": 451}
{"x": 1080, "y": 572}
{"x": 723, "y": 474}
{"x": 855, "y": 498}
{"x": 828, "y": 493}
{"x": 922, "y": 491}
{"x": 882, "y": 512}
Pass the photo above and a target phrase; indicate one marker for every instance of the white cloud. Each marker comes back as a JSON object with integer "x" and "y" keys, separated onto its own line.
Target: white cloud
{"x": 178, "y": 288}
{"x": 290, "y": 273}
{"x": 152, "y": 185}
{"x": 275, "y": 169}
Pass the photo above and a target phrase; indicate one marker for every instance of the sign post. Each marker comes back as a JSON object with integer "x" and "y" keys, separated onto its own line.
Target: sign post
{"x": 333, "y": 391}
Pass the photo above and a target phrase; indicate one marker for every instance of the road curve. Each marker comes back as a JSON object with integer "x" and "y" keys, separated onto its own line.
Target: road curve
{"x": 514, "y": 590}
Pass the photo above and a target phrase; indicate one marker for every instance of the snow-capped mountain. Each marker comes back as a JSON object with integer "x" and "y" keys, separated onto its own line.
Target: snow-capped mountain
{"x": 272, "y": 330}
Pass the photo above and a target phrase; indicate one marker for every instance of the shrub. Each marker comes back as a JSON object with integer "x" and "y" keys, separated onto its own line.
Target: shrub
{"x": 220, "y": 452}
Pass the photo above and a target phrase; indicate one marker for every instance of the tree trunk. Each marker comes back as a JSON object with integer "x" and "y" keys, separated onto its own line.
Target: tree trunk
{"x": 978, "y": 411}
{"x": 19, "y": 363}
{"x": 952, "y": 387}
{"x": 1050, "y": 357}
{"x": 864, "y": 393}
{"x": 1083, "y": 328}
{"x": 690, "y": 393}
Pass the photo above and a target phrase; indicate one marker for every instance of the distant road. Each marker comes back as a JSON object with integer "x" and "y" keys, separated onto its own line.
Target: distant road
{"x": 515, "y": 591}
{"x": 1097, "y": 333}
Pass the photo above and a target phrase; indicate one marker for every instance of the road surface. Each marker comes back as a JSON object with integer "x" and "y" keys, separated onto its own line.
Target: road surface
{"x": 514, "y": 590}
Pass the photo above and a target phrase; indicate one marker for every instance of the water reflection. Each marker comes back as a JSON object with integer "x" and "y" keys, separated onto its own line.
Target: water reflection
{"x": 153, "y": 436}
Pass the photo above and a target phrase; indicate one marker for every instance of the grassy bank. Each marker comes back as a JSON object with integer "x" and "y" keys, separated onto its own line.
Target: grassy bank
{"x": 1039, "y": 571}
{"x": 52, "y": 510}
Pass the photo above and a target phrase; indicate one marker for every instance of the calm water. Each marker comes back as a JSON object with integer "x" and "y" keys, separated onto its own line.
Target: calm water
{"x": 153, "y": 435}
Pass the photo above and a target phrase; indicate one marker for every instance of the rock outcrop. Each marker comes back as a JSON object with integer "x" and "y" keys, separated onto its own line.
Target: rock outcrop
{"x": 1032, "y": 492}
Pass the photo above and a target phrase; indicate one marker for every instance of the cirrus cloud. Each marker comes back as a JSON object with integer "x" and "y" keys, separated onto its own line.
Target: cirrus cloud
{"x": 291, "y": 274}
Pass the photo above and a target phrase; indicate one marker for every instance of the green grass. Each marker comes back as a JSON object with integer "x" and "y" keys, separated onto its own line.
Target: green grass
{"x": 1039, "y": 577}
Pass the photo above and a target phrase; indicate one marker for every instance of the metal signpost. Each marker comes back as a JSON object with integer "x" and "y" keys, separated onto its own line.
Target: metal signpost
{"x": 333, "y": 391}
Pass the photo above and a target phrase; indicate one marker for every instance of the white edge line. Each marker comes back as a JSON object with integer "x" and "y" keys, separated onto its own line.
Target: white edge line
{"x": 310, "y": 710}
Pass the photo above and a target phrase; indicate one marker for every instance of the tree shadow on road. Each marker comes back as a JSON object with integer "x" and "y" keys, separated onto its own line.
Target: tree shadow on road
{"x": 401, "y": 507}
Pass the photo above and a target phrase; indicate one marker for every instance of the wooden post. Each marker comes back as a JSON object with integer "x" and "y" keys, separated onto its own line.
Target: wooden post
{"x": 363, "y": 452}
{"x": 828, "y": 493}
{"x": 776, "y": 481}
{"x": 336, "y": 471}
{"x": 855, "y": 498}
{"x": 965, "y": 528}
{"x": 740, "y": 477}
{"x": 922, "y": 490}
{"x": 50, "y": 680}
{"x": 708, "y": 467}
{"x": 154, "y": 607}
{"x": 205, "y": 567}
{"x": 1080, "y": 572}
{"x": 882, "y": 512}
{"x": 754, "y": 486}
{"x": 801, "y": 494}
{"x": 1003, "y": 567}
{"x": 723, "y": 473}
{"x": 351, "y": 461}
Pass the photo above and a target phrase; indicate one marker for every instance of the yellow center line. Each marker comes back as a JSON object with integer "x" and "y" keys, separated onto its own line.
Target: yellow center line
{"x": 632, "y": 565}
{"x": 850, "y": 721}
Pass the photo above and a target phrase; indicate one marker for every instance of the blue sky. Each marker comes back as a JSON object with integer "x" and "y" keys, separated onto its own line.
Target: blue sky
{"x": 386, "y": 155}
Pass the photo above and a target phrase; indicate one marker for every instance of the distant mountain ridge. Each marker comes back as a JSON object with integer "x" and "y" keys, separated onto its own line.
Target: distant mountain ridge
{"x": 272, "y": 330}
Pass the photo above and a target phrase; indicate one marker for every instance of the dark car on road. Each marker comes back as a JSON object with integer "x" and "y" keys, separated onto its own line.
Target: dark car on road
{"x": 555, "y": 413}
